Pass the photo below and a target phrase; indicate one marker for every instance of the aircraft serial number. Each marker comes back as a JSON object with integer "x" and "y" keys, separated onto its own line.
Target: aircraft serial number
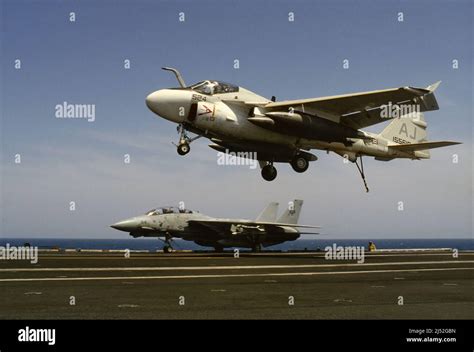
{"x": 197, "y": 97}
{"x": 400, "y": 141}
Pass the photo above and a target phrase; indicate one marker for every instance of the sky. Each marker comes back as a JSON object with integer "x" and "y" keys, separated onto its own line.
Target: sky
{"x": 82, "y": 62}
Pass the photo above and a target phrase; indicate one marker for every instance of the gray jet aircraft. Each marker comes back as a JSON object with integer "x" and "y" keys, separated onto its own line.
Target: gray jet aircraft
{"x": 172, "y": 222}
{"x": 241, "y": 122}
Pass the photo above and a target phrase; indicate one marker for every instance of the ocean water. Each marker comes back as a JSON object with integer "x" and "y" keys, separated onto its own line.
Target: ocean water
{"x": 301, "y": 244}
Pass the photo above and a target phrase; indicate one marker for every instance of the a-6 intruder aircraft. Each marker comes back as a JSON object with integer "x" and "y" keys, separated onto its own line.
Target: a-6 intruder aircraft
{"x": 239, "y": 121}
{"x": 172, "y": 222}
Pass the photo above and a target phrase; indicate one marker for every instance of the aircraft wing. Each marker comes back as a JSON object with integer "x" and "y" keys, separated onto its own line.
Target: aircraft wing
{"x": 245, "y": 103}
{"x": 219, "y": 229}
{"x": 226, "y": 225}
{"x": 360, "y": 110}
{"x": 422, "y": 146}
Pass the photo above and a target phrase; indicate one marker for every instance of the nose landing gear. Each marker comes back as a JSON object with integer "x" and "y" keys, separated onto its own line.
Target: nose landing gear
{"x": 257, "y": 248}
{"x": 167, "y": 248}
{"x": 183, "y": 146}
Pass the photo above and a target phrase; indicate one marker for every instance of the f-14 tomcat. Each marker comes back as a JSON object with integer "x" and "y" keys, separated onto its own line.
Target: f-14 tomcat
{"x": 237, "y": 120}
{"x": 170, "y": 222}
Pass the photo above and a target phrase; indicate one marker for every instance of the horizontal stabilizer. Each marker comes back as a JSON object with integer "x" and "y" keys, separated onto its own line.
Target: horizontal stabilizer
{"x": 422, "y": 145}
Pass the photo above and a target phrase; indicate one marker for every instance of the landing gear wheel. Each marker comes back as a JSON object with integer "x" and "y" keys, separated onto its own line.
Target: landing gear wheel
{"x": 299, "y": 163}
{"x": 269, "y": 172}
{"x": 167, "y": 249}
{"x": 183, "y": 149}
{"x": 219, "y": 249}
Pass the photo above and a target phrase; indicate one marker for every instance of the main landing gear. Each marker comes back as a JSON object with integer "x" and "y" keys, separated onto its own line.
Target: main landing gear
{"x": 269, "y": 172}
{"x": 361, "y": 171}
{"x": 299, "y": 163}
{"x": 184, "y": 141}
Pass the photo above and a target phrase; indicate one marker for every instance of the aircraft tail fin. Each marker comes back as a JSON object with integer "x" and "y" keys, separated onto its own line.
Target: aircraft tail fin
{"x": 292, "y": 213}
{"x": 408, "y": 134}
{"x": 269, "y": 213}
{"x": 409, "y": 128}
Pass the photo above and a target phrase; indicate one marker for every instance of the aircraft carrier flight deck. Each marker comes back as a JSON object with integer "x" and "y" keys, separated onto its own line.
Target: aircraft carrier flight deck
{"x": 190, "y": 285}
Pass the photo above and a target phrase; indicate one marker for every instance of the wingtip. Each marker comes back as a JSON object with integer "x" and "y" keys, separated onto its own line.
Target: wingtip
{"x": 434, "y": 86}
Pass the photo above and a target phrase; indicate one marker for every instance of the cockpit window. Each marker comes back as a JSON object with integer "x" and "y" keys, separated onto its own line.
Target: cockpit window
{"x": 167, "y": 210}
{"x": 154, "y": 212}
{"x": 214, "y": 87}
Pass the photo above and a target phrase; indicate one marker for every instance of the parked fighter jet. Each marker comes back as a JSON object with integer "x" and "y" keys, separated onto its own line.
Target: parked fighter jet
{"x": 170, "y": 222}
{"x": 237, "y": 120}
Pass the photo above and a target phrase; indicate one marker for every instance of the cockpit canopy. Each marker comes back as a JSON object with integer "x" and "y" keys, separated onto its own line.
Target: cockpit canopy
{"x": 214, "y": 87}
{"x": 168, "y": 210}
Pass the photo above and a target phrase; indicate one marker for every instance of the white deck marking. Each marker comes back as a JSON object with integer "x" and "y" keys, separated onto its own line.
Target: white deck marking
{"x": 235, "y": 267}
{"x": 337, "y": 300}
{"x": 230, "y": 275}
{"x": 198, "y": 256}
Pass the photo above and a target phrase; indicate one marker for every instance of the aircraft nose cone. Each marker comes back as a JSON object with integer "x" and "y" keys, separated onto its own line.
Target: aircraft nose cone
{"x": 125, "y": 225}
{"x": 168, "y": 103}
{"x": 162, "y": 102}
{"x": 153, "y": 100}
